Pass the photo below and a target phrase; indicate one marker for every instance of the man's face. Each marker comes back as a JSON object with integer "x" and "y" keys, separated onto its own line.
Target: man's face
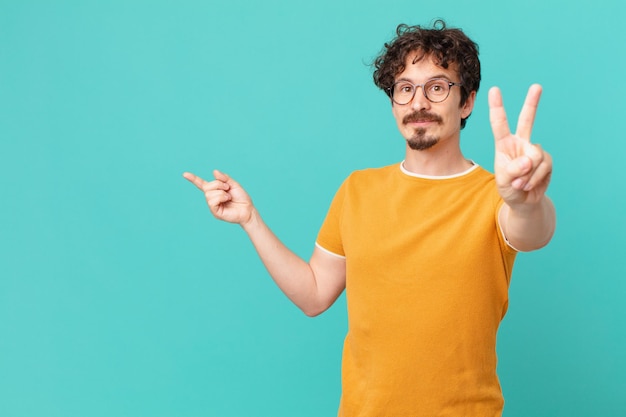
{"x": 425, "y": 124}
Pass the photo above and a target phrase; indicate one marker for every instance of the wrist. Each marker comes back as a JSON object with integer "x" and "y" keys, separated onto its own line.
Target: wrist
{"x": 529, "y": 209}
{"x": 252, "y": 222}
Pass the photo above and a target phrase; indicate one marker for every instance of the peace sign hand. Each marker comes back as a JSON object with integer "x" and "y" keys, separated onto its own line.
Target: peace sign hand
{"x": 227, "y": 200}
{"x": 522, "y": 169}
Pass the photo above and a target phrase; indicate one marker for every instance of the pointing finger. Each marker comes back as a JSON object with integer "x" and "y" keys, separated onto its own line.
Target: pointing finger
{"x": 194, "y": 179}
{"x": 204, "y": 185}
{"x": 497, "y": 115}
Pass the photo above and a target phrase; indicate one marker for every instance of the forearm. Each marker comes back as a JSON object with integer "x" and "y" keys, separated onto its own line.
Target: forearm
{"x": 293, "y": 275}
{"x": 528, "y": 226}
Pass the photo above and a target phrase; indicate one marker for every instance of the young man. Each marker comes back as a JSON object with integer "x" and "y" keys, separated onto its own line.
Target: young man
{"x": 424, "y": 248}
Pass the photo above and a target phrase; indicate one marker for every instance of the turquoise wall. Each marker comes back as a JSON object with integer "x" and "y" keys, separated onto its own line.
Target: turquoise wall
{"x": 120, "y": 295}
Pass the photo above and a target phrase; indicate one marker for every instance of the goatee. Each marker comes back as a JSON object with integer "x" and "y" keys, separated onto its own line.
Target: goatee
{"x": 420, "y": 141}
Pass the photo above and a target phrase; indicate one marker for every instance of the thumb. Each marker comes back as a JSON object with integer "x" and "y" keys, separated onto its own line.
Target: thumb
{"x": 518, "y": 167}
{"x": 220, "y": 175}
{"x": 225, "y": 178}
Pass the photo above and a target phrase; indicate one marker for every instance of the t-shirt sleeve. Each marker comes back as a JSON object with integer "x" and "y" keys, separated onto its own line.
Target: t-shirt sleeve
{"x": 329, "y": 236}
{"x": 504, "y": 242}
{"x": 508, "y": 252}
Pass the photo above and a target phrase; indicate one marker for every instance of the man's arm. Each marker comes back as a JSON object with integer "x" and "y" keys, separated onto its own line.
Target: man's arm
{"x": 529, "y": 227}
{"x": 313, "y": 286}
{"x": 523, "y": 171}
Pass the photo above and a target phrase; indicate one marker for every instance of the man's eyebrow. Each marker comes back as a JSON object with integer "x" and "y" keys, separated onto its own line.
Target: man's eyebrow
{"x": 444, "y": 76}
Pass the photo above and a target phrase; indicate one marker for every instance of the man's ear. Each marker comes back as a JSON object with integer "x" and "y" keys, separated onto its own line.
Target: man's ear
{"x": 468, "y": 106}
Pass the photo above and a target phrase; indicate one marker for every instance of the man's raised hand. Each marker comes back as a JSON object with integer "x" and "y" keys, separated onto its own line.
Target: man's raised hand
{"x": 522, "y": 169}
{"x": 227, "y": 200}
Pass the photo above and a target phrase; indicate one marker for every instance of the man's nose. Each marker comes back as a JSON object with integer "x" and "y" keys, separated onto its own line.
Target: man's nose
{"x": 420, "y": 102}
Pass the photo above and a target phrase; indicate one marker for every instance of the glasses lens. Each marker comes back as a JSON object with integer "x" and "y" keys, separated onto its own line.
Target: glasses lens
{"x": 437, "y": 90}
{"x": 403, "y": 92}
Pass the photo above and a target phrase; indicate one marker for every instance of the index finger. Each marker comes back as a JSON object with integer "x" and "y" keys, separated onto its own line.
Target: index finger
{"x": 195, "y": 180}
{"x": 497, "y": 115}
{"x": 529, "y": 110}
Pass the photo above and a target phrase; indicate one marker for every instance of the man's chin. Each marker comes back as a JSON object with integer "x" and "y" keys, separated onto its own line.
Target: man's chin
{"x": 422, "y": 144}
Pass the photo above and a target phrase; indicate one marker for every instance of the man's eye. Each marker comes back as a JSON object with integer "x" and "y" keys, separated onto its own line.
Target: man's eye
{"x": 437, "y": 88}
{"x": 404, "y": 88}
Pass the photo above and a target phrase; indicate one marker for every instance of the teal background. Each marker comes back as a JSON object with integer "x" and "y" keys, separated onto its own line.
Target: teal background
{"x": 120, "y": 295}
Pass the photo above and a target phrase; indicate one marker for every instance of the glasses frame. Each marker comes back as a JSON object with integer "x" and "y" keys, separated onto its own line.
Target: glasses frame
{"x": 450, "y": 85}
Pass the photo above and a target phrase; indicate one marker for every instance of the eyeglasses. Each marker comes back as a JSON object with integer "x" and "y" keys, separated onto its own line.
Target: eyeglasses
{"x": 435, "y": 90}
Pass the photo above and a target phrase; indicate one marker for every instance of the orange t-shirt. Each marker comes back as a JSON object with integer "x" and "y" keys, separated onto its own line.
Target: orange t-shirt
{"x": 427, "y": 286}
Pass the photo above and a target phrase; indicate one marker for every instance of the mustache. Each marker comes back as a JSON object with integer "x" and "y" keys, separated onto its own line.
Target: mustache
{"x": 421, "y": 116}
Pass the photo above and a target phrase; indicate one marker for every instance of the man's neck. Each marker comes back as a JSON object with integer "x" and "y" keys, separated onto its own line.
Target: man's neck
{"x": 436, "y": 162}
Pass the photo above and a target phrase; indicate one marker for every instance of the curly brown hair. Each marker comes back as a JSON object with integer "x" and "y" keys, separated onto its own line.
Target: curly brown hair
{"x": 446, "y": 45}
